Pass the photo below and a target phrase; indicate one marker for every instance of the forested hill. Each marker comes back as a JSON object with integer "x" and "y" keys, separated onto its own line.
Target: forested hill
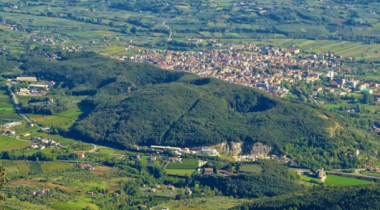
{"x": 331, "y": 198}
{"x": 140, "y": 104}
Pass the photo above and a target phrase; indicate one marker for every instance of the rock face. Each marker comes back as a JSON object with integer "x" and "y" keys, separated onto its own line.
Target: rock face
{"x": 246, "y": 148}
{"x": 233, "y": 148}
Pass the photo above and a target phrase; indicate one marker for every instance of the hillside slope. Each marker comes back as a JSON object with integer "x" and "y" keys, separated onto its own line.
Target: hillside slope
{"x": 141, "y": 104}
{"x": 332, "y": 198}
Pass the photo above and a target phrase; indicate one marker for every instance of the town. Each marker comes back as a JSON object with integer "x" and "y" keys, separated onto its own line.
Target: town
{"x": 262, "y": 67}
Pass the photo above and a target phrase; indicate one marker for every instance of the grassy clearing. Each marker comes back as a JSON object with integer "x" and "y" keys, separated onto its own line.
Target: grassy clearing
{"x": 180, "y": 172}
{"x": 106, "y": 151}
{"x": 8, "y": 144}
{"x": 332, "y": 106}
{"x": 344, "y": 181}
{"x": 186, "y": 164}
{"x": 310, "y": 179}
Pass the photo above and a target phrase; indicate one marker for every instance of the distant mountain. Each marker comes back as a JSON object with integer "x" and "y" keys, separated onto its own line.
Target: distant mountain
{"x": 141, "y": 104}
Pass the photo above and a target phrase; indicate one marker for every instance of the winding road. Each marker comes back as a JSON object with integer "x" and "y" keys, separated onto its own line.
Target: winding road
{"x": 170, "y": 29}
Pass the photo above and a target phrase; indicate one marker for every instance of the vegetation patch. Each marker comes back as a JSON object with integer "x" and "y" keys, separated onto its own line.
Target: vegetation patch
{"x": 8, "y": 144}
{"x": 344, "y": 181}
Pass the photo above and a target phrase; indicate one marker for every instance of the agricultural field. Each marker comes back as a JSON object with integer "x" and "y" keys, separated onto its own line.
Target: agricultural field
{"x": 50, "y": 167}
{"x": 186, "y": 168}
{"x": 180, "y": 172}
{"x": 35, "y": 167}
{"x": 8, "y": 144}
{"x": 7, "y": 113}
{"x": 186, "y": 164}
{"x": 23, "y": 167}
{"x": 250, "y": 168}
{"x": 64, "y": 119}
{"x": 82, "y": 203}
{"x": 101, "y": 170}
{"x": 344, "y": 181}
{"x": 215, "y": 203}
{"x": 10, "y": 167}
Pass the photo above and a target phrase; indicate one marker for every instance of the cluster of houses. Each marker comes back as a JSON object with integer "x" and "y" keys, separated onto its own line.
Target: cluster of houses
{"x": 374, "y": 169}
{"x": 44, "y": 191}
{"x": 344, "y": 86}
{"x": 9, "y": 132}
{"x": 248, "y": 69}
{"x": 38, "y": 89}
{"x": 42, "y": 143}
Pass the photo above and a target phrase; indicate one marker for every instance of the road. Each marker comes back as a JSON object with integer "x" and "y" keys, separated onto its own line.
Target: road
{"x": 94, "y": 149}
{"x": 18, "y": 106}
{"x": 170, "y": 29}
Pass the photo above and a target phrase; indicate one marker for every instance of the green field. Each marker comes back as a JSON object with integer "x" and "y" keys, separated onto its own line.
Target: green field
{"x": 64, "y": 119}
{"x": 186, "y": 164}
{"x": 332, "y": 106}
{"x": 10, "y": 167}
{"x": 22, "y": 167}
{"x": 82, "y": 203}
{"x": 215, "y": 203}
{"x": 310, "y": 179}
{"x": 35, "y": 167}
{"x": 180, "y": 172}
{"x": 8, "y": 144}
{"x": 250, "y": 168}
{"x": 344, "y": 181}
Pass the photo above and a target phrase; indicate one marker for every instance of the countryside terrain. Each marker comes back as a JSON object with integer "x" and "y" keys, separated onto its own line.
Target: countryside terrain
{"x": 92, "y": 119}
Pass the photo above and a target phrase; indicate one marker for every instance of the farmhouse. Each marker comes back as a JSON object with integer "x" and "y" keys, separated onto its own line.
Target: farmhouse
{"x": 208, "y": 171}
{"x": 80, "y": 155}
{"x": 153, "y": 158}
{"x": 175, "y": 160}
{"x": 137, "y": 157}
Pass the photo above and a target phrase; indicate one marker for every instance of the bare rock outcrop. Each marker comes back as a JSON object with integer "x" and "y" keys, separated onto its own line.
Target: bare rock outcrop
{"x": 245, "y": 148}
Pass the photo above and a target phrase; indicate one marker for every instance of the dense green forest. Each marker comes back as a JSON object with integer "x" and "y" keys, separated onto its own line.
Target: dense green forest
{"x": 328, "y": 198}
{"x": 271, "y": 179}
{"x": 140, "y": 104}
